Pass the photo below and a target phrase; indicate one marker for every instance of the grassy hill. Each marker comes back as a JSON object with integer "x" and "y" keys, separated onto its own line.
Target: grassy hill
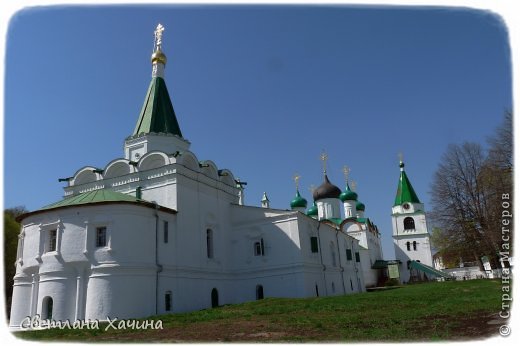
{"x": 433, "y": 311}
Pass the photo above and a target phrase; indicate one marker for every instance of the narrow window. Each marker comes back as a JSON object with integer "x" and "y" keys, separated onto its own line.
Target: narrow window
{"x": 333, "y": 288}
{"x": 214, "y": 298}
{"x": 314, "y": 244}
{"x": 52, "y": 240}
{"x": 165, "y": 231}
{"x": 414, "y": 245}
{"x": 408, "y": 245}
{"x": 409, "y": 223}
{"x": 168, "y": 301}
{"x": 351, "y": 285}
{"x": 258, "y": 248}
{"x": 349, "y": 255}
{"x": 317, "y": 292}
{"x": 47, "y": 305}
{"x": 209, "y": 242}
{"x": 357, "y": 257}
{"x": 259, "y": 292}
{"x": 101, "y": 236}
{"x": 262, "y": 249}
{"x": 139, "y": 192}
{"x": 333, "y": 254}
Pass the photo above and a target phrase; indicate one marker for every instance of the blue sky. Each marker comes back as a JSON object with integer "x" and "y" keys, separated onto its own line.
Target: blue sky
{"x": 261, "y": 90}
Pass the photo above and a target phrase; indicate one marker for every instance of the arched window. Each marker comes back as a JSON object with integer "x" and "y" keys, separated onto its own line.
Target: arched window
{"x": 47, "y": 305}
{"x": 414, "y": 245}
{"x": 333, "y": 254}
{"x": 259, "y": 292}
{"x": 214, "y": 298}
{"x": 409, "y": 223}
{"x": 209, "y": 243}
{"x": 408, "y": 245}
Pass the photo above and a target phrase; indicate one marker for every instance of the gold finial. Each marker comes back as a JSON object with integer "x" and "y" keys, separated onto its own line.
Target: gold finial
{"x": 324, "y": 157}
{"x": 346, "y": 171}
{"x": 353, "y": 185}
{"x": 296, "y": 178}
{"x": 400, "y": 155}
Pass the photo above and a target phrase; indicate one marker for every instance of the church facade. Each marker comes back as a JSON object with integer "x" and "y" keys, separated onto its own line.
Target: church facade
{"x": 161, "y": 231}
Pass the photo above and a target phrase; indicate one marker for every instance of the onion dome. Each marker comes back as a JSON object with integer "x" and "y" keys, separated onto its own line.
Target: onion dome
{"x": 312, "y": 211}
{"x": 326, "y": 190}
{"x": 298, "y": 201}
{"x": 348, "y": 195}
{"x": 360, "y": 206}
{"x": 158, "y": 56}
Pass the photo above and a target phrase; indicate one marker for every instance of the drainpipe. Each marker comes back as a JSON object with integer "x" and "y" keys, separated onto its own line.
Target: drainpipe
{"x": 321, "y": 258}
{"x": 340, "y": 266}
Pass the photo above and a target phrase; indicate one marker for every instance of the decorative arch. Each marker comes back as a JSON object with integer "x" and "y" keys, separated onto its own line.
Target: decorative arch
{"x": 189, "y": 160}
{"x": 85, "y": 175}
{"x": 209, "y": 169}
{"x": 226, "y": 177}
{"x": 153, "y": 159}
{"x": 118, "y": 168}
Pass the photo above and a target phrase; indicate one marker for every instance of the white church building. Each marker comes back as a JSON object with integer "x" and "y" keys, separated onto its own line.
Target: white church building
{"x": 160, "y": 231}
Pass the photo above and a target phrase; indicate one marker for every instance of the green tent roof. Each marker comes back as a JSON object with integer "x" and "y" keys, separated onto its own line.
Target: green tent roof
{"x": 405, "y": 191}
{"x": 157, "y": 114}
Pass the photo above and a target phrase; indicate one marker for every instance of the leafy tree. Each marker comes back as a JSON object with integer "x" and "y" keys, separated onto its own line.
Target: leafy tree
{"x": 11, "y": 231}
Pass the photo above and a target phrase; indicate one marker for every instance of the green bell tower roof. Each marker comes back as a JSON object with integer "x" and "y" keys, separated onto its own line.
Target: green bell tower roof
{"x": 405, "y": 191}
{"x": 157, "y": 114}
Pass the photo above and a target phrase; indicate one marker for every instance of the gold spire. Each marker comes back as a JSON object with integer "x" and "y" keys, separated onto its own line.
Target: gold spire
{"x": 158, "y": 55}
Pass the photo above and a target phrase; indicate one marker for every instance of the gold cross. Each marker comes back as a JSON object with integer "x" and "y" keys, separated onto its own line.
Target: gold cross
{"x": 296, "y": 178}
{"x": 346, "y": 171}
{"x": 400, "y": 155}
{"x": 353, "y": 184}
{"x": 158, "y": 35}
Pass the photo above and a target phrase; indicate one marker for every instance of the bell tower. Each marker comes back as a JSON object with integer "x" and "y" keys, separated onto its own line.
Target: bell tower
{"x": 410, "y": 230}
{"x": 157, "y": 127}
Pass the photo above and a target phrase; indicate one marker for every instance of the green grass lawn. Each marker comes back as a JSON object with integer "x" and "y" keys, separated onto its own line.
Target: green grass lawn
{"x": 432, "y": 311}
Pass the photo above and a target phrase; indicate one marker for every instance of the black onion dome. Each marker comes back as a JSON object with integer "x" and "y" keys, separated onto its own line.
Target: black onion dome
{"x": 326, "y": 190}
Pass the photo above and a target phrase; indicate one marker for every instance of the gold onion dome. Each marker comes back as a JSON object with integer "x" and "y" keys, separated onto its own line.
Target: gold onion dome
{"x": 158, "y": 56}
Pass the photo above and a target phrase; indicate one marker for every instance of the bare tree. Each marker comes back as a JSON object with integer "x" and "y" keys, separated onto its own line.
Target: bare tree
{"x": 467, "y": 193}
